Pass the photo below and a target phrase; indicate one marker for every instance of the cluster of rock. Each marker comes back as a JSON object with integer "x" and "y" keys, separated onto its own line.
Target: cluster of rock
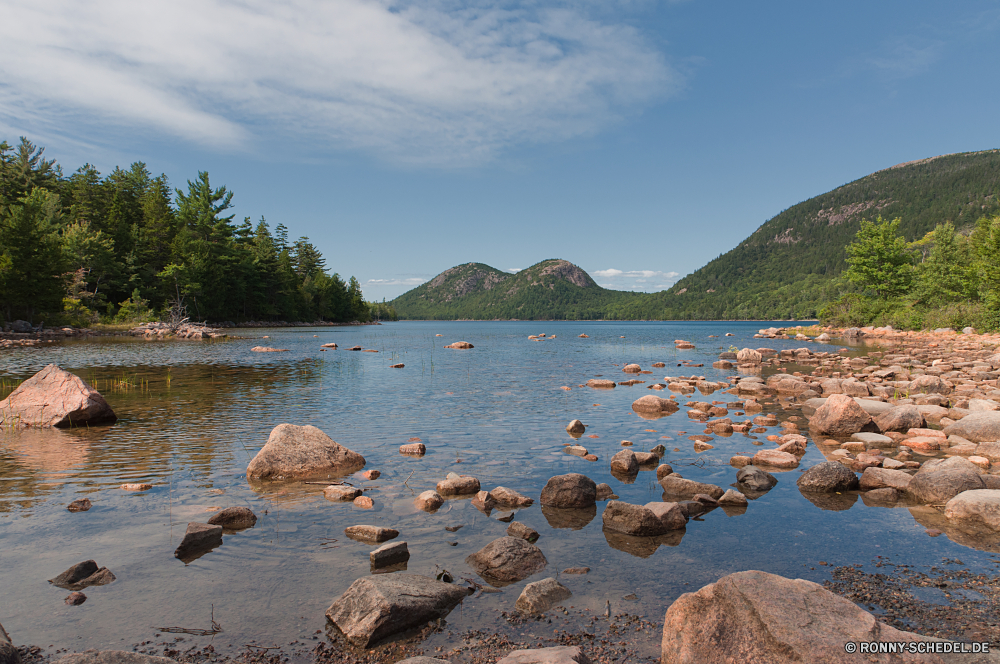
{"x": 182, "y": 330}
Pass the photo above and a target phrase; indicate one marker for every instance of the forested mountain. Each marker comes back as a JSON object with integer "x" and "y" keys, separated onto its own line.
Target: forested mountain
{"x": 788, "y": 268}
{"x": 126, "y": 246}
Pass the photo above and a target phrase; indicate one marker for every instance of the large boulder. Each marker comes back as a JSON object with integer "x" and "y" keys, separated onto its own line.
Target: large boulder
{"x": 829, "y": 476}
{"x": 884, "y": 478}
{"x": 938, "y": 481}
{"x": 8, "y": 653}
{"x": 840, "y": 416}
{"x": 759, "y": 618}
{"x": 633, "y": 519}
{"x": 978, "y": 427}
{"x": 752, "y": 478}
{"x": 571, "y": 490}
{"x": 507, "y": 560}
{"x": 775, "y": 459}
{"x": 654, "y": 404}
{"x": 553, "y": 655}
{"x": 376, "y": 607}
{"x": 625, "y": 462}
{"x": 678, "y": 487}
{"x": 901, "y": 419}
{"x": 979, "y": 508}
{"x": 301, "y": 452}
{"x": 55, "y": 398}
{"x": 749, "y": 357}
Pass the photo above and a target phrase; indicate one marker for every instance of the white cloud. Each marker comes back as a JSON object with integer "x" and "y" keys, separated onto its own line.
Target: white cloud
{"x": 412, "y": 281}
{"x": 637, "y": 280}
{"x": 421, "y": 82}
{"x": 514, "y": 270}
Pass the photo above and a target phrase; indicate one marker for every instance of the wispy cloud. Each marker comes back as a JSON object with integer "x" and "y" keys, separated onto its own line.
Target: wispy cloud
{"x": 412, "y": 281}
{"x": 905, "y": 57}
{"x": 425, "y": 82}
{"x": 513, "y": 270}
{"x": 636, "y": 280}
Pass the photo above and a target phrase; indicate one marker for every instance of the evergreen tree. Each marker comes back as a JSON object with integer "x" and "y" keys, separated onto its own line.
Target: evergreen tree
{"x": 31, "y": 261}
{"x": 947, "y": 275}
{"x": 878, "y": 259}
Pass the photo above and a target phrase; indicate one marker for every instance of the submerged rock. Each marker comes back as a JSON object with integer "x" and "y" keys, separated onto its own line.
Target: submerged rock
{"x": 461, "y": 345}
{"x": 507, "y": 560}
{"x": 371, "y": 534}
{"x": 55, "y": 398}
{"x": 301, "y": 452}
{"x": 428, "y": 501}
{"x": 234, "y": 518}
{"x": 389, "y": 555}
{"x": 83, "y": 575}
{"x": 80, "y": 505}
{"x": 199, "y": 539}
{"x": 376, "y": 607}
{"x": 540, "y": 596}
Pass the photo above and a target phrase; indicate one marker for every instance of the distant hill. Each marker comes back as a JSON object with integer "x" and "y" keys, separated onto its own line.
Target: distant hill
{"x": 788, "y": 267}
{"x": 551, "y": 289}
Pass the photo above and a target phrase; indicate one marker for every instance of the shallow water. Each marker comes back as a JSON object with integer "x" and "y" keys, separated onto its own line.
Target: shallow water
{"x": 194, "y": 413}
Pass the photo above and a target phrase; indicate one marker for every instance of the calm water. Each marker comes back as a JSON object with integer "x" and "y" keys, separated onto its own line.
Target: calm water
{"x": 199, "y": 411}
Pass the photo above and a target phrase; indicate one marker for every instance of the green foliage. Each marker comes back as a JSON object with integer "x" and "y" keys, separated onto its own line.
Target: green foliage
{"x": 134, "y": 310}
{"x": 947, "y": 274}
{"x": 31, "y": 260}
{"x": 878, "y": 259}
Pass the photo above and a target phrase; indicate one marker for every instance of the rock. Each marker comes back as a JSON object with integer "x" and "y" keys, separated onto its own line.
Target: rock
{"x": 573, "y": 490}
{"x": 990, "y": 450}
{"x": 507, "y": 560}
{"x": 576, "y": 426}
{"x": 663, "y": 470}
{"x": 422, "y": 660}
{"x": 553, "y": 655}
{"x": 632, "y": 368}
{"x": 540, "y": 596}
{"x": 670, "y": 514}
{"x": 140, "y": 486}
{"x": 937, "y": 483}
{"x": 840, "y": 416}
{"x": 112, "y": 657}
{"x": 329, "y": 345}
{"x": 199, "y": 539}
{"x": 364, "y": 502}
{"x": 576, "y": 570}
{"x": 900, "y": 418}
{"x": 396, "y": 366}
{"x": 413, "y": 449}
{"x": 740, "y": 460}
{"x": 83, "y": 575}
{"x": 600, "y": 382}
{"x": 268, "y": 349}
{"x": 75, "y": 599}
{"x": 428, "y": 501}
{"x": 234, "y": 518}
{"x": 979, "y": 508}
{"x": 875, "y": 440}
{"x": 748, "y": 357}
{"x": 510, "y": 498}
{"x": 775, "y": 458}
{"x": 929, "y": 384}
{"x": 829, "y": 476}
{"x": 518, "y": 529}
{"x": 654, "y": 404}
{"x": 55, "y": 398}
{"x": 884, "y": 497}
{"x": 646, "y": 458}
{"x": 341, "y": 493}
{"x": 977, "y": 427}
{"x": 376, "y": 607}
{"x": 388, "y": 555}
{"x": 371, "y": 534}
{"x": 677, "y": 487}
{"x": 371, "y": 475}
{"x": 458, "y": 485}
{"x": 881, "y": 478}
{"x": 484, "y": 502}
{"x": 461, "y": 345}
{"x": 625, "y": 462}
{"x": 701, "y": 446}
{"x": 732, "y": 497}
{"x": 632, "y": 520}
{"x": 755, "y": 479}
{"x": 755, "y": 618}
{"x": 301, "y": 452}
{"x": 80, "y": 505}
{"x": 576, "y": 450}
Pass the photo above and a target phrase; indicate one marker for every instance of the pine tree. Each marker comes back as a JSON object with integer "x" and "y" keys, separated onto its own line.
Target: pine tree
{"x": 878, "y": 259}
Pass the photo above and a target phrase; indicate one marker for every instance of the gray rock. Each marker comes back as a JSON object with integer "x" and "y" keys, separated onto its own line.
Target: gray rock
{"x": 8, "y": 653}
{"x": 507, "y": 560}
{"x": 21, "y": 327}
{"x": 938, "y": 481}
{"x": 632, "y": 520}
{"x": 829, "y": 476}
{"x": 540, "y": 596}
{"x": 881, "y": 478}
{"x": 733, "y": 497}
{"x": 371, "y": 534}
{"x": 112, "y": 657}
{"x": 389, "y": 554}
{"x": 518, "y": 529}
{"x": 977, "y": 509}
{"x": 625, "y": 462}
{"x": 572, "y": 490}
{"x": 670, "y": 514}
{"x": 234, "y": 518}
{"x": 80, "y": 505}
{"x": 901, "y": 419}
{"x": 301, "y": 452}
{"x": 755, "y": 479}
{"x": 679, "y": 487}
{"x": 604, "y": 491}
{"x": 83, "y": 575}
{"x": 374, "y": 608}
{"x": 199, "y": 539}
{"x": 978, "y": 427}
{"x": 553, "y": 655}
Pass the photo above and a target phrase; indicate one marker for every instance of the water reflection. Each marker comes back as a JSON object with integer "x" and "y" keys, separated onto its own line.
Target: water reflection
{"x": 834, "y": 502}
{"x": 570, "y": 518}
{"x": 641, "y": 547}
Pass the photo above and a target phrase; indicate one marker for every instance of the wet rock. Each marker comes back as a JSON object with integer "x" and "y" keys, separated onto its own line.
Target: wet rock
{"x": 755, "y": 479}
{"x": 829, "y": 476}
{"x": 840, "y": 416}
{"x": 341, "y": 493}
{"x": 977, "y": 427}
{"x": 881, "y": 478}
{"x": 884, "y": 497}
{"x": 641, "y": 547}
{"x": 937, "y": 483}
{"x": 55, "y": 398}
{"x": 632, "y": 368}
{"x": 576, "y": 570}
{"x": 677, "y": 487}
{"x": 413, "y": 449}
{"x": 646, "y": 459}
{"x": 576, "y": 426}
{"x": 113, "y": 657}
{"x": 428, "y": 501}
{"x": 507, "y": 560}
{"x": 80, "y": 505}
{"x": 199, "y": 539}
{"x": 460, "y": 345}
{"x": 518, "y": 529}
{"x": 740, "y": 460}
{"x": 748, "y": 357}
{"x": 388, "y": 555}
{"x": 576, "y": 450}
{"x": 732, "y": 497}
{"x": 510, "y": 498}
{"x": 553, "y": 655}
{"x": 670, "y": 514}
{"x": 775, "y": 459}
{"x": 458, "y": 485}
{"x": 756, "y": 617}
{"x": 234, "y": 518}
{"x": 484, "y": 502}
{"x": 573, "y": 518}
{"x": 978, "y": 508}
{"x": 371, "y": 475}
{"x": 83, "y": 575}
{"x": 663, "y": 470}
{"x": 632, "y": 520}
{"x": 654, "y": 404}
{"x": 540, "y": 596}
{"x": 301, "y": 452}
{"x": 600, "y": 382}
{"x": 625, "y": 462}
{"x": 136, "y": 486}
{"x": 329, "y": 345}
{"x": 75, "y": 599}
{"x": 900, "y": 418}
{"x": 371, "y": 534}
{"x": 374, "y": 608}
{"x": 573, "y": 490}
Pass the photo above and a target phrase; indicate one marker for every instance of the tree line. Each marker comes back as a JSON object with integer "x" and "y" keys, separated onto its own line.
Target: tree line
{"x": 947, "y": 278}
{"x": 127, "y": 247}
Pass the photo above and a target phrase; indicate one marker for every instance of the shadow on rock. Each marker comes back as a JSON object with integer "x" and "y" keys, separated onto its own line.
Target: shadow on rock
{"x": 573, "y": 518}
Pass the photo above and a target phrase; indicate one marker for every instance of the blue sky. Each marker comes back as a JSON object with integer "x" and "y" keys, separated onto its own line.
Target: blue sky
{"x": 638, "y": 139}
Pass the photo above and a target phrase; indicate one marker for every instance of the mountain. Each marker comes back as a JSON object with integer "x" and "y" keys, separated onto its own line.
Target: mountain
{"x": 787, "y": 268}
{"x": 551, "y": 289}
